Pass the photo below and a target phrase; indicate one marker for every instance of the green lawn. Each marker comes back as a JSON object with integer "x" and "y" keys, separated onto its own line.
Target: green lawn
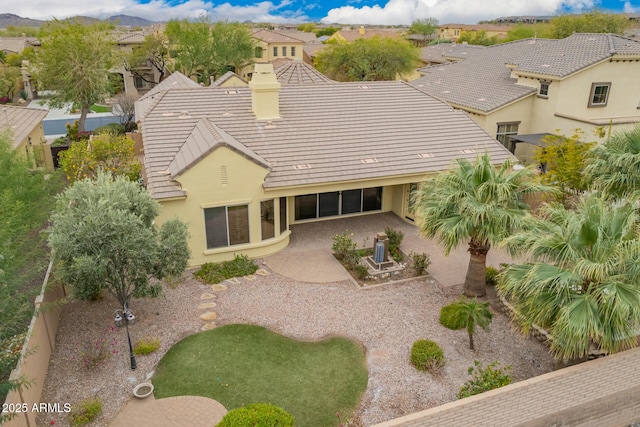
{"x": 100, "y": 108}
{"x": 241, "y": 364}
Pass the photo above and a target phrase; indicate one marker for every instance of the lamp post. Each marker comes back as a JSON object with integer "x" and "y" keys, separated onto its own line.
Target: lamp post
{"x": 124, "y": 317}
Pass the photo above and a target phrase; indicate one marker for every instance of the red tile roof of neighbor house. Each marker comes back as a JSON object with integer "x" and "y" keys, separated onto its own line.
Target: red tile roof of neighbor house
{"x": 337, "y": 132}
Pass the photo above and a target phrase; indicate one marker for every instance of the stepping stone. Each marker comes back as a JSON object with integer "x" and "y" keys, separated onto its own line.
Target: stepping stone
{"x": 234, "y": 280}
{"x": 262, "y": 272}
{"x": 208, "y": 316}
{"x": 207, "y": 295}
{"x": 218, "y": 287}
{"x": 208, "y": 326}
{"x": 207, "y": 305}
{"x": 250, "y": 277}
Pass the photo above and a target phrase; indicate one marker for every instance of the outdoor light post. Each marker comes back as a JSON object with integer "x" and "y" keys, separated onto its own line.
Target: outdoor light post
{"x": 125, "y": 316}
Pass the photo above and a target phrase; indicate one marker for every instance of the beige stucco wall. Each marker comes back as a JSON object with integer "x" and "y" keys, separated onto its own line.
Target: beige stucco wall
{"x": 267, "y": 51}
{"x": 38, "y": 142}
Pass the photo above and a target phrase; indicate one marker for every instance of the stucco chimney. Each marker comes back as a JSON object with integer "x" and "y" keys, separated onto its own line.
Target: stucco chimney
{"x": 361, "y": 30}
{"x": 265, "y": 90}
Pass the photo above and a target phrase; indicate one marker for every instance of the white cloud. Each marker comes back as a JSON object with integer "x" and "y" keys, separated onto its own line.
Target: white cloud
{"x": 155, "y": 10}
{"x": 398, "y": 12}
{"x": 629, "y": 8}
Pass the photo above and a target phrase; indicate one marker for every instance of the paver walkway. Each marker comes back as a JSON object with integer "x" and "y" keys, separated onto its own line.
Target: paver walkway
{"x": 308, "y": 258}
{"x": 180, "y": 411}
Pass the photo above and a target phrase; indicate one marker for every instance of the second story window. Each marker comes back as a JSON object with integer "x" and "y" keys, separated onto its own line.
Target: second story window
{"x": 284, "y": 51}
{"x": 544, "y": 90}
{"x": 504, "y": 133}
{"x": 293, "y": 51}
{"x": 599, "y": 94}
{"x": 275, "y": 51}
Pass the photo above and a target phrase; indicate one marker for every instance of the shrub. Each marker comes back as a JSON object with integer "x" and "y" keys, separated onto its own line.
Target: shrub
{"x": 343, "y": 245}
{"x": 361, "y": 271}
{"x": 145, "y": 346}
{"x": 426, "y": 355}
{"x": 395, "y": 239}
{"x": 492, "y": 275}
{"x": 85, "y": 411}
{"x": 420, "y": 262}
{"x": 211, "y": 272}
{"x": 257, "y": 415}
{"x": 95, "y": 353}
{"x": 484, "y": 379}
{"x": 4, "y": 100}
{"x": 23, "y": 95}
{"x": 450, "y": 316}
{"x": 116, "y": 128}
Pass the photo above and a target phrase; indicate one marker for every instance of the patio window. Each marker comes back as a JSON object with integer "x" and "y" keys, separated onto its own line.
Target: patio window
{"x": 335, "y": 203}
{"x": 226, "y": 226}
{"x": 599, "y": 94}
{"x": 267, "y": 219}
{"x": 283, "y": 214}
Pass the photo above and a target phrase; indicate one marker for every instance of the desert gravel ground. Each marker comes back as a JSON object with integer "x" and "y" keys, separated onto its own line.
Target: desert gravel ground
{"x": 385, "y": 320}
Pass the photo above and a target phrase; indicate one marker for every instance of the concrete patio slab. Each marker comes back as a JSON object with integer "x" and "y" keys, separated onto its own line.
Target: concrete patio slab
{"x": 180, "y": 411}
{"x": 309, "y": 258}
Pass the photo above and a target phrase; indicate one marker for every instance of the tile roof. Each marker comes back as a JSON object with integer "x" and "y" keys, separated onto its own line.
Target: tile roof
{"x": 492, "y": 85}
{"x": 311, "y": 49}
{"x": 130, "y": 38}
{"x": 17, "y": 44}
{"x": 440, "y": 52}
{"x": 297, "y": 72}
{"x": 271, "y": 36}
{"x": 176, "y": 80}
{"x": 353, "y": 35}
{"x": 21, "y": 121}
{"x": 300, "y": 35}
{"x": 337, "y": 132}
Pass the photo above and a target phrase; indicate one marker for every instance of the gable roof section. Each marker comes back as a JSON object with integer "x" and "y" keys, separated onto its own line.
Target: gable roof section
{"x": 483, "y": 82}
{"x": 270, "y": 36}
{"x": 297, "y": 72}
{"x": 377, "y": 130}
{"x": 226, "y": 76}
{"x": 204, "y": 139}
{"x": 21, "y": 121}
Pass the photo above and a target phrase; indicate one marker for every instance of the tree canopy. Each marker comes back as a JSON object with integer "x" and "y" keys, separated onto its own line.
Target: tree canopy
{"x": 377, "y": 58}
{"x": 583, "y": 281}
{"x": 203, "y": 50}
{"x": 475, "y": 203}
{"x": 152, "y": 51}
{"x": 74, "y": 61}
{"x": 592, "y": 22}
{"x": 104, "y": 238}
{"x": 477, "y": 38}
{"x": 425, "y": 28}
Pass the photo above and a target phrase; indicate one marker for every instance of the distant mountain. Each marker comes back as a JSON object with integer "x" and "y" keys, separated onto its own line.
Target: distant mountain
{"x": 9, "y": 19}
{"x": 132, "y": 21}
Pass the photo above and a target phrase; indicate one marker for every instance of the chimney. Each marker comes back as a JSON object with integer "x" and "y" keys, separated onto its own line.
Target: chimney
{"x": 361, "y": 30}
{"x": 264, "y": 93}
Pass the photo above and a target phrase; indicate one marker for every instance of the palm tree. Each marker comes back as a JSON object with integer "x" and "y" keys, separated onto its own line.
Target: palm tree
{"x": 468, "y": 314}
{"x": 614, "y": 167}
{"x": 583, "y": 284}
{"x": 477, "y": 203}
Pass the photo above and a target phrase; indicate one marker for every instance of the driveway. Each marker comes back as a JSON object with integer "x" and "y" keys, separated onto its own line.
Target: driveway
{"x": 308, "y": 258}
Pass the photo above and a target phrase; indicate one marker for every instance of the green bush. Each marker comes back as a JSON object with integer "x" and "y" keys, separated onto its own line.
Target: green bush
{"x": 361, "y": 271}
{"x": 257, "y": 415}
{"x": 116, "y": 128}
{"x": 85, "y": 411}
{"x": 211, "y": 272}
{"x": 395, "y": 239}
{"x": 420, "y": 262}
{"x": 492, "y": 275}
{"x": 450, "y": 316}
{"x": 484, "y": 379}
{"x": 343, "y": 245}
{"x": 145, "y": 346}
{"x": 426, "y": 355}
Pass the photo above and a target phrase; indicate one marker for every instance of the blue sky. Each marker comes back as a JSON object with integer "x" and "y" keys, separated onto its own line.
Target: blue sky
{"x": 389, "y": 12}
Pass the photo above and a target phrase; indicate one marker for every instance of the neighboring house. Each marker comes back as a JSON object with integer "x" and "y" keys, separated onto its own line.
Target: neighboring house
{"x": 25, "y": 127}
{"x": 445, "y": 53}
{"x": 273, "y": 45}
{"x": 229, "y": 79}
{"x": 521, "y": 91}
{"x": 240, "y": 165}
{"x": 349, "y": 36}
{"x": 297, "y": 72}
{"x": 142, "y": 78}
{"x": 453, "y": 31}
{"x": 9, "y": 45}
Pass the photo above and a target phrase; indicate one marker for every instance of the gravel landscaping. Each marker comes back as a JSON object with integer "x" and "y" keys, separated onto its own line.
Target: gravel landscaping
{"x": 386, "y": 320}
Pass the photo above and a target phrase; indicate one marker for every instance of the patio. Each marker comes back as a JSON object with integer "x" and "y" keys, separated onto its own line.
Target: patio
{"x": 309, "y": 258}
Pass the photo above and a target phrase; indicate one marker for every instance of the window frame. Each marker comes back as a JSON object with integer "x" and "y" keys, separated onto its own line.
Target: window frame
{"x": 543, "y": 91}
{"x": 275, "y": 51}
{"x": 258, "y": 52}
{"x": 284, "y": 51}
{"x": 264, "y": 220}
{"x": 377, "y": 192}
{"x": 226, "y": 219}
{"x": 512, "y": 145}
{"x": 293, "y": 51}
{"x": 592, "y": 94}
